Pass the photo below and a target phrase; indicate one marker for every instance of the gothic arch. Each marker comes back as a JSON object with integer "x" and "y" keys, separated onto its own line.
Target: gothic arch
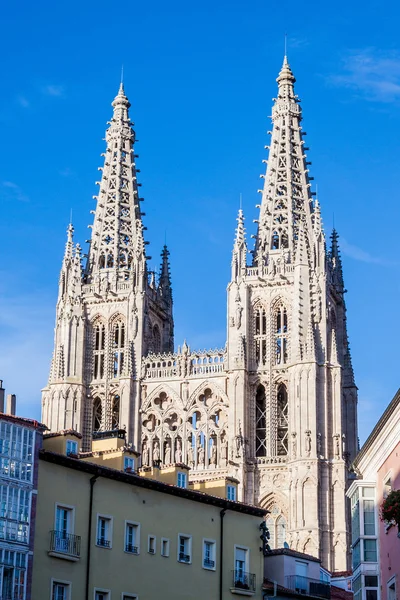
{"x": 162, "y": 387}
{"x": 206, "y": 384}
{"x": 117, "y": 316}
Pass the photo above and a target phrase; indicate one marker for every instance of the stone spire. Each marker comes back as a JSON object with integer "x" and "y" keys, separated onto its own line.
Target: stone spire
{"x": 239, "y": 249}
{"x": 336, "y": 263}
{"x": 117, "y": 241}
{"x": 164, "y": 284}
{"x": 286, "y": 197}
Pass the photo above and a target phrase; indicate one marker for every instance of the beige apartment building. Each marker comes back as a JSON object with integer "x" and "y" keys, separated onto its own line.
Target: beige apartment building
{"x": 105, "y": 531}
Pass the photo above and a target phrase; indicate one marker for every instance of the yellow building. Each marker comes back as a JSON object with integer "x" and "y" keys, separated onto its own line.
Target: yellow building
{"x": 106, "y": 532}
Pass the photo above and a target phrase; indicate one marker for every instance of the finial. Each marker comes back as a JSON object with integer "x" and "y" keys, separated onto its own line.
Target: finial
{"x": 122, "y": 74}
{"x": 240, "y": 201}
{"x": 285, "y": 47}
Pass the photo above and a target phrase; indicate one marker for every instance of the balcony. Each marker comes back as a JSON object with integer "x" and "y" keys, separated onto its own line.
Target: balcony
{"x": 185, "y": 558}
{"x": 65, "y": 545}
{"x": 308, "y": 587}
{"x": 244, "y": 583}
{"x": 103, "y": 542}
{"x": 209, "y": 564}
{"x": 131, "y": 549}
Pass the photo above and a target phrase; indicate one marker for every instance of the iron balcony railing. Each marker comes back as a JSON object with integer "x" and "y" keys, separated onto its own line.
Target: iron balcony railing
{"x": 65, "y": 543}
{"x": 184, "y": 557}
{"x": 131, "y": 548}
{"x": 210, "y": 564}
{"x": 307, "y": 586}
{"x": 103, "y": 542}
{"x": 243, "y": 580}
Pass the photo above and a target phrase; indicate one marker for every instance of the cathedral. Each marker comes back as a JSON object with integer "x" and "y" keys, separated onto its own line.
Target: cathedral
{"x": 276, "y": 408}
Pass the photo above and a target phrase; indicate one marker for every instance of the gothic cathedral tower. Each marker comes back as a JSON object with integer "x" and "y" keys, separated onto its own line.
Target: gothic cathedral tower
{"x": 289, "y": 354}
{"x": 112, "y": 312}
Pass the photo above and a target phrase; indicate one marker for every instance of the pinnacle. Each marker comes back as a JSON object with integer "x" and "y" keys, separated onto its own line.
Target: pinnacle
{"x": 286, "y": 75}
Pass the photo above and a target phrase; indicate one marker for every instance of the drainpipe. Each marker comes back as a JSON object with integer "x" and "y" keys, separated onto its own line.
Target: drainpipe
{"x": 221, "y": 550}
{"x": 89, "y": 545}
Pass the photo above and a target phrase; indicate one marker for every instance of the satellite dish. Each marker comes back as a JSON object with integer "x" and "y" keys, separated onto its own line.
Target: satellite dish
{"x": 285, "y": 545}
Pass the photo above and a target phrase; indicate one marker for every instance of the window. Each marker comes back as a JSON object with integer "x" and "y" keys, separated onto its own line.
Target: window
{"x": 60, "y": 591}
{"x": 63, "y": 528}
{"x": 164, "y": 547}
{"x": 370, "y": 551}
{"x": 283, "y": 423}
{"x": 99, "y": 351}
{"x": 241, "y": 563}
{"x": 357, "y": 589}
{"x": 129, "y": 597}
{"x": 132, "y": 538}
{"x": 119, "y": 345}
{"x": 72, "y": 447}
{"x": 261, "y": 426}
{"x": 129, "y": 463}
{"x": 97, "y": 414}
{"x": 16, "y": 448}
{"x": 151, "y": 549}
{"x": 301, "y": 577}
{"x": 12, "y": 573}
{"x": 356, "y": 557}
{"x": 209, "y": 554}
{"x": 104, "y": 531}
{"x": 260, "y": 336}
{"x": 182, "y": 480}
{"x": 281, "y": 329}
{"x": 355, "y": 519}
{"x": 276, "y": 525}
{"x": 102, "y": 595}
{"x": 231, "y": 492}
{"x": 184, "y": 548}
{"x": 115, "y": 412}
{"x": 391, "y": 589}
{"x": 156, "y": 345}
{"x": 369, "y": 517}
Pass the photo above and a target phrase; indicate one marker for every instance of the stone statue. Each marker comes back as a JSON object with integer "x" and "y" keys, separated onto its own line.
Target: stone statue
{"x": 200, "y": 456}
{"x": 319, "y": 444}
{"x": 213, "y": 457}
{"x": 145, "y": 454}
{"x": 167, "y": 454}
{"x": 190, "y": 458}
{"x": 308, "y": 442}
{"x": 156, "y": 451}
{"x": 223, "y": 458}
{"x": 294, "y": 445}
{"x": 178, "y": 452}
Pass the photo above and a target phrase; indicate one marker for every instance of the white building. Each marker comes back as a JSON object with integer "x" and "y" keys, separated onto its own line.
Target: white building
{"x": 276, "y": 408}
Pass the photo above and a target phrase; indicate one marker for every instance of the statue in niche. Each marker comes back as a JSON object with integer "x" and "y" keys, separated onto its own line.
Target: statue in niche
{"x": 167, "y": 453}
{"x": 294, "y": 445}
{"x": 200, "y": 456}
{"x": 239, "y": 310}
{"x": 337, "y": 445}
{"x": 271, "y": 267}
{"x": 178, "y": 451}
{"x": 190, "y": 458}
{"x": 156, "y": 451}
{"x": 319, "y": 444}
{"x": 213, "y": 457}
{"x": 145, "y": 454}
{"x": 223, "y": 458}
{"x": 308, "y": 442}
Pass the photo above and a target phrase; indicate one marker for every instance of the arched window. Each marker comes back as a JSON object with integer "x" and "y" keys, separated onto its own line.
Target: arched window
{"x": 99, "y": 350}
{"x": 281, "y": 329}
{"x": 276, "y": 524}
{"x": 283, "y": 425}
{"x": 118, "y": 348}
{"x": 261, "y": 424}
{"x": 115, "y": 412}
{"x": 156, "y": 340}
{"x": 275, "y": 241}
{"x": 97, "y": 414}
{"x": 260, "y": 336}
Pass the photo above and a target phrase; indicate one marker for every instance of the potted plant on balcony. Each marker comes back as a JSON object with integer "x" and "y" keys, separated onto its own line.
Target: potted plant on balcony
{"x": 390, "y": 509}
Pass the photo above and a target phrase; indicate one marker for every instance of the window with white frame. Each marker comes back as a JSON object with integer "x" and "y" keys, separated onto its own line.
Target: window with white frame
{"x": 182, "y": 479}
{"x": 72, "y": 447}
{"x": 132, "y": 538}
{"x": 129, "y": 597}
{"x": 184, "y": 548}
{"x": 12, "y": 573}
{"x": 301, "y": 576}
{"x": 102, "y": 595}
{"x": 60, "y": 591}
{"x": 241, "y": 566}
{"x": 16, "y": 451}
{"x": 104, "y": 531}
{"x": 151, "y": 547}
{"x": 64, "y": 527}
{"x": 209, "y": 554}
{"x": 370, "y": 554}
{"x": 371, "y": 587}
{"x": 129, "y": 463}
{"x": 164, "y": 547}
{"x": 391, "y": 589}
{"x": 231, "y": 492}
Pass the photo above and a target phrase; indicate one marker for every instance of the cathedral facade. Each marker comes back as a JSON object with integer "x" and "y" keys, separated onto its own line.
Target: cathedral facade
{"x": 277, "y": 407}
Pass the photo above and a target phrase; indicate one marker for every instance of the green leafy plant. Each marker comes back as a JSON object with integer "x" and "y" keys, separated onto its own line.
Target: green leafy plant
{"x": 390, "y": 509}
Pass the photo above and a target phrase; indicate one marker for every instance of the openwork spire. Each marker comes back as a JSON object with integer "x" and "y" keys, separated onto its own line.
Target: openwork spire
{"x": 336, "y": 263}
{"x": 164, "y": 284}
{"x": 117, "y": 239}
{"x": 286, "y": 197}
{"x": 239, "y": 249}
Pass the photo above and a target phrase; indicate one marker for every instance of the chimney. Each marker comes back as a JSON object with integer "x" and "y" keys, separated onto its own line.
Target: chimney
{"x": 11, "y": 404}
{"x": 2, "y": 391}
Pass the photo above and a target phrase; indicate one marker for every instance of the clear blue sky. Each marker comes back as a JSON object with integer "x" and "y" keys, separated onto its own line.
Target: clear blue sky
{"x": 200, "y": 77}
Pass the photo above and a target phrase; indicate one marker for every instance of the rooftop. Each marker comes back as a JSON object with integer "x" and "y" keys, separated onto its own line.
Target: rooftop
{"x": 22, "y": 421}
